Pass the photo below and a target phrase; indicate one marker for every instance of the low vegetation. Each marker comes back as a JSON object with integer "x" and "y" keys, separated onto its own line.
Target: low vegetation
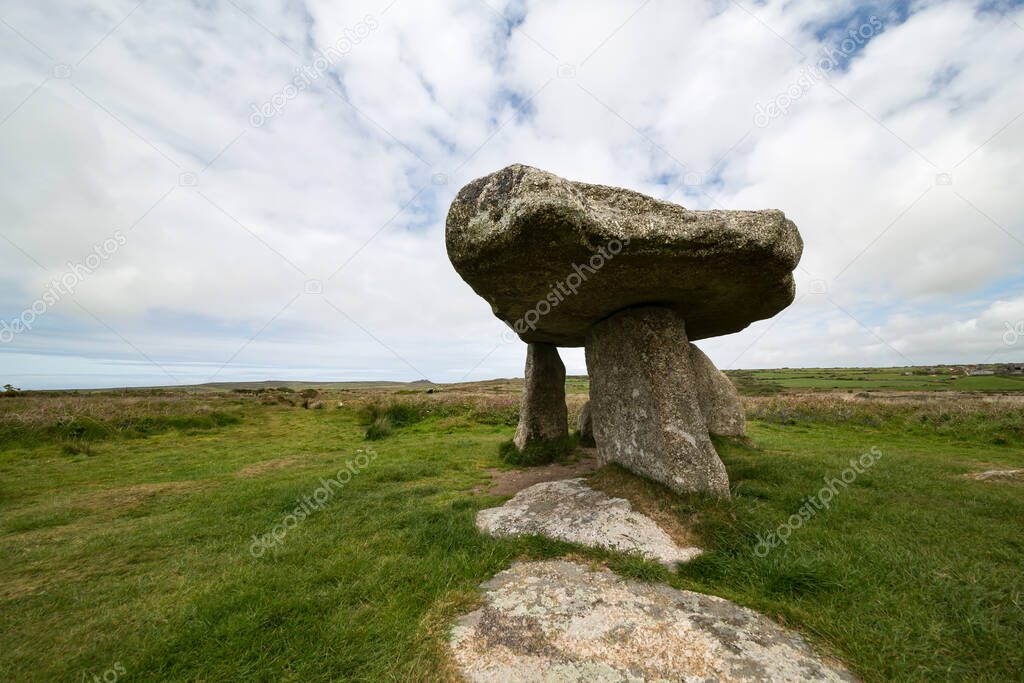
{"x": 382, "y": 417}
{"x": 79, "y": 421}
{"x": 966, "y": 419}
{"x": 941, "y": 378}
{"x": 538, "y": 452}
{"x": 138, "y": 549}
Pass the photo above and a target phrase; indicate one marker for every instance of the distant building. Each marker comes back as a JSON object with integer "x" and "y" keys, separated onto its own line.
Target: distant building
{"x": 976, "y": 373}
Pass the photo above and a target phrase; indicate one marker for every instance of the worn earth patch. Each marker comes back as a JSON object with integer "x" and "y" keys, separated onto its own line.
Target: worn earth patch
{"x": 507, "y": 482}
{"x": 133, "y": 495}
{"x": 264, "y": 466}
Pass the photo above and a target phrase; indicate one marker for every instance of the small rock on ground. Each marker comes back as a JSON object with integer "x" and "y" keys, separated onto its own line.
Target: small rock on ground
{"x": 569, "y": 510}
{"x": 560, "y": 621}
{"x": 998, "y": 475}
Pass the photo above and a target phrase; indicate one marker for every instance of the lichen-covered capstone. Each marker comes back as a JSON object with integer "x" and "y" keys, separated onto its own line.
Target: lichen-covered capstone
{"x": 553, "y": 256}
{"x": 561, "y": 621}
{"x": 646, "y": 415}
{"x": 718, "y": 399}
{"x": 543, "y": 415}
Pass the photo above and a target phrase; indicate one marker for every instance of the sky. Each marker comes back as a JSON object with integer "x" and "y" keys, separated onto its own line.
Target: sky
{"x": 238, "y": 190}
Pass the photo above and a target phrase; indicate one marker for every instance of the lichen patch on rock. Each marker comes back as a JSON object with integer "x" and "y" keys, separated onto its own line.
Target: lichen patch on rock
{"x": 561, "y": 621}
{"x": 569, "y": 510}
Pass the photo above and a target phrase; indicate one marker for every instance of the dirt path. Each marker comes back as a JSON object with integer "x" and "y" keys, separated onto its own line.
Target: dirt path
{"x": 508, "y": 482}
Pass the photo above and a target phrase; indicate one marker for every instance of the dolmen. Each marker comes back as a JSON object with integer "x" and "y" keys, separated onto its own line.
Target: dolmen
{"x": 635, "y": 281}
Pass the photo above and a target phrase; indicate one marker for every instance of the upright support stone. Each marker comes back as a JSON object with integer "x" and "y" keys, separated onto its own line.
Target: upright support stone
{"x": 645, "y": 414}
{"x": 543, "y": 415}
{"x": 585, "y": 426}
{"x": 717, "y": 397}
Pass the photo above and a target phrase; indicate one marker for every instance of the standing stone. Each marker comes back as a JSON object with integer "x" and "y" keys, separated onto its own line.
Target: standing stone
{"x": 646, "y": 416}
{"x": 585, "y": 426}
{"x": 543, "y": 415}
{"x": 717, "y": 397}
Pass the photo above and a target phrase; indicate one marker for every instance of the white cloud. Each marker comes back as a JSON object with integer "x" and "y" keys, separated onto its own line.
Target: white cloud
{"x": 346, "y": 175}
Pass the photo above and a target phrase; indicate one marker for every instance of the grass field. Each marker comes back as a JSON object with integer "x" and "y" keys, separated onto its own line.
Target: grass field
{"x": 876, "y": 379}
{"x": 127, "y": 527}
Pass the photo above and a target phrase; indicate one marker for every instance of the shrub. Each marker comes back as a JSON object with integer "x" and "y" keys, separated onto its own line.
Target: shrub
{"x": 76, "y": 447}
{"x": 379, "y": 428}
{"x": 381, "y": 419}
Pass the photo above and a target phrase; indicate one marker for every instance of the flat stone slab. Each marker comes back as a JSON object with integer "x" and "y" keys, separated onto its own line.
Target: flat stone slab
{"x": 569, "y": 510}
{"x": 561, "y": 621}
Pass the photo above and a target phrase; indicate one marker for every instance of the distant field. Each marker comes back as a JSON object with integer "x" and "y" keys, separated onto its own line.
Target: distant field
{"x": 750, "y": 382}
{"x": 872, "y": 379}
{"x": 127, "y": 523}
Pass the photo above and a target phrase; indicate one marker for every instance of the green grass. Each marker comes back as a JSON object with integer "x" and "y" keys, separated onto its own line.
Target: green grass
{"x": 139, "y": 554}
{"x": 966, "y": 422}
{"x": 911, "y": 573}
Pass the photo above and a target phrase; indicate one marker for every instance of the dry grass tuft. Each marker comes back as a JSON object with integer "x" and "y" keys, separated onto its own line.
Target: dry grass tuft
{"x": 433, "y": 660}
{"x": 264, "y": 466}
{"x": 124, "y": 497}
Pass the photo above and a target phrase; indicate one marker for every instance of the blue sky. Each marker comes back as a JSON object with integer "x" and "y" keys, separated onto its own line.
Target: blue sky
{"x": 306, "y": 242}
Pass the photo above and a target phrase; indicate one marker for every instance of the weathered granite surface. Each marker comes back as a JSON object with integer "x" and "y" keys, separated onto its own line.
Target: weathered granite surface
{"x": 645, "y": 410}
{"x": 553, "y": 256}
{"x": 569, "y": 510}
{"x": 543, "y": 414}
{"x": 585, "y": 426}
{"x": 561, "y": 621}
{"x": 718, "y": 399}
